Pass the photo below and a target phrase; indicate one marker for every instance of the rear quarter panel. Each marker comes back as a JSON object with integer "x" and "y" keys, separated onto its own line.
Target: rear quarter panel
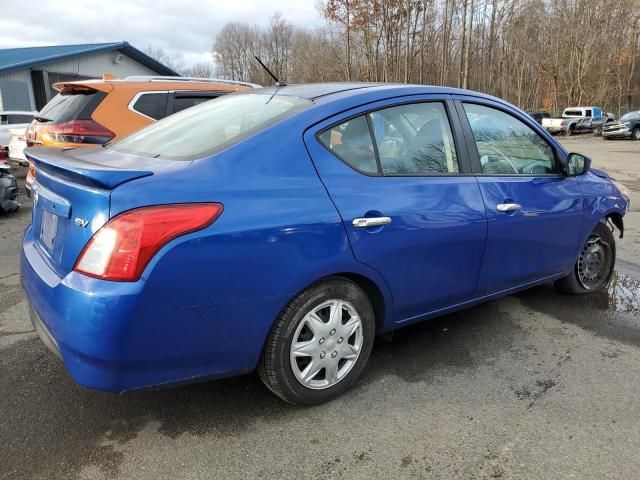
{"x": 278, "y": 233}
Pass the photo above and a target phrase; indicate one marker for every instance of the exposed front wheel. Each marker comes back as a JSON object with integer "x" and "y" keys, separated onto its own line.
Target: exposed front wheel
{"x": 636, "y": 133}
{"x": 594, "y": 268}
{"x": 319, "y": 344}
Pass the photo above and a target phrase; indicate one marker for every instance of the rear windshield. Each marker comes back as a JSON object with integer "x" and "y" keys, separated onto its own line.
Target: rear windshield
{"x": 210, "y": 127}
{"x": 573, "y": 113}
{"x": 630, "y": 116}
{"x": 65, "y": 107}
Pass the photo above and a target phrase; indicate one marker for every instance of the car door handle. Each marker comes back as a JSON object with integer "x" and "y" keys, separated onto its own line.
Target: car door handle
{"x": 369, "y": 222}
{"x": 508, "y": 207}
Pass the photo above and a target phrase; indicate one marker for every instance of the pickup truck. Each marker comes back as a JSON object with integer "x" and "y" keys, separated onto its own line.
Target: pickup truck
{"x": 577, "y": 120}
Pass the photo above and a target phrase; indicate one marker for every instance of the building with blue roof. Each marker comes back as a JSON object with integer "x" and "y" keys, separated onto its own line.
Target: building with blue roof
{"x": 27, "y": 74}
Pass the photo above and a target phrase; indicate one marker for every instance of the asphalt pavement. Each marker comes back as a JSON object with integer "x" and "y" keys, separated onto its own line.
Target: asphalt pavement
{"x": 534, "y": 386}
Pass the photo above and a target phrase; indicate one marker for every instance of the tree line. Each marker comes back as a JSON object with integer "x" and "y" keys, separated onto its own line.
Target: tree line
{"x": 538, "y": 54}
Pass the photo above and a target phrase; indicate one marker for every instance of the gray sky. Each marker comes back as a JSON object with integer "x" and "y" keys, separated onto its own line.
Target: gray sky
{"x": 187, "y": 27}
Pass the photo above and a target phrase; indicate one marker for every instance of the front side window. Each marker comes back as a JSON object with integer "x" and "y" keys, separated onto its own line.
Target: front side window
{"x": 508, "y": 146}
{"x": 210, "y": 127}
{"x": 413, "y": 139}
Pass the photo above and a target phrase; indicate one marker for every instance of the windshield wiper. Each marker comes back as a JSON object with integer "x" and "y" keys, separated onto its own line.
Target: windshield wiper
{"x": 42, "y": 119}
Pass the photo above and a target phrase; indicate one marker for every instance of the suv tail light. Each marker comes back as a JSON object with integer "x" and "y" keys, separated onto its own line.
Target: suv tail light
{"x": 123, "y": 247}
{"x": 80, "y": 131}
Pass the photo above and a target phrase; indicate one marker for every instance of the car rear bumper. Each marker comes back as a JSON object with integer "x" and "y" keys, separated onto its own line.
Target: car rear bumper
{"x": 118, "y": 336}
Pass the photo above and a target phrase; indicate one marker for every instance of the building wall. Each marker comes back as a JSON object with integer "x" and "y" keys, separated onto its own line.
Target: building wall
{"x": 16, "y": 89}
{"x": 16, "y": 92}
{"x": 94, "y": 65}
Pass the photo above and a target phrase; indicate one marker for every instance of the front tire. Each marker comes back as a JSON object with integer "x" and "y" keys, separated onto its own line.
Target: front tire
{"x": 594, "y": 267}
{"x": 635, "y": 135}
{"x": 319, "y": 344}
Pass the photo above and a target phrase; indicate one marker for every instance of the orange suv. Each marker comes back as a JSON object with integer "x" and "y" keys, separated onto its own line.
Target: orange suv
{"x": 90, "y": 113}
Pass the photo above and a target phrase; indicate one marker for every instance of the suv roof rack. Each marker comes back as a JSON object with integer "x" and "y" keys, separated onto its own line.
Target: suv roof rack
{"x": 152, "y": 78}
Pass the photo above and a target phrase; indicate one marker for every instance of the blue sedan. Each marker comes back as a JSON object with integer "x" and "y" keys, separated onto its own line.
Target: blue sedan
{"x": 283, "y": 230}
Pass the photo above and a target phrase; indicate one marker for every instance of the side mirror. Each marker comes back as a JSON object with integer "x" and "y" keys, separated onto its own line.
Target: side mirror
{"x": 577, "y": 164}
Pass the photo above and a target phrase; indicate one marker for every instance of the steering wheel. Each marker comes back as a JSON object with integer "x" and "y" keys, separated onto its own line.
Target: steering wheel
{"x": 508, "y": 160}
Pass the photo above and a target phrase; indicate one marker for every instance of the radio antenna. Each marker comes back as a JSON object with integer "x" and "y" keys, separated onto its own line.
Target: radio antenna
{"x": 278, "y": 82}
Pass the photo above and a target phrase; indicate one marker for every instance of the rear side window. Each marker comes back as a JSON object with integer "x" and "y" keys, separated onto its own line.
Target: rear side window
{"x": 152, "y": 105}
{"x": 19, "y": 118}
{"x": 352, "y": 142}
{"x": 67, "y": 106}
{"x": 210, "y": 127}
{"x": 413, "y": 139}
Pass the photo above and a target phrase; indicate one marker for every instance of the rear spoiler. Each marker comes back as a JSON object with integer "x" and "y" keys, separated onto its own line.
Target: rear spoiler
{"x": 86, "y": 86}
{"x": 61, "y": 163}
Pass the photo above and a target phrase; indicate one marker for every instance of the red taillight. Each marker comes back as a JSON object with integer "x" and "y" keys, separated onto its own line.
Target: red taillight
{"x": 3, "y": 155}
{"x": 123, "y": 247}
{"x": 31, "y": 175}
{"x": 80, "y": 131}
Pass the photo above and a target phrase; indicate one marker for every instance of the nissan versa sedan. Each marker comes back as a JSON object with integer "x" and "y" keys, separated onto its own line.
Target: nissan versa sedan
{"x": 323, "y": 215}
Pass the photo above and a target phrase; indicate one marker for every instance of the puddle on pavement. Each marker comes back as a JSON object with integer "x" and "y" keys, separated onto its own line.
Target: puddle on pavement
{"x": 614, "y": 313}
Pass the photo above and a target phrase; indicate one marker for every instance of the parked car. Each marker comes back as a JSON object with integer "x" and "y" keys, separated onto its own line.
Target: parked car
{"x": 627, "y": 127}
{"x": 17, "y": 144}
{"x": 8, "y": 187}
{"x": 539, "y": 116}
{"x": 10, "y": 120}
{"x": 90, "y": 113}
{"x": 575, "y": 120}
{"x": 322, "y": 215}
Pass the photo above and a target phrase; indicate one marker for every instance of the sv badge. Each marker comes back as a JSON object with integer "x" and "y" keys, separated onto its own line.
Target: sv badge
{"x": 81, "y": 222}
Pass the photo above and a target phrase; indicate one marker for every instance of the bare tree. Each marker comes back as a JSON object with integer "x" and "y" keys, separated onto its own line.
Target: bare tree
{"x": 175, "y": 61}
{"x": 536, "y": 53}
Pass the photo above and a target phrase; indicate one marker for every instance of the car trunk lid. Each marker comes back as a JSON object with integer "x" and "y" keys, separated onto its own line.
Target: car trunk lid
{"x": 72, "y": 195}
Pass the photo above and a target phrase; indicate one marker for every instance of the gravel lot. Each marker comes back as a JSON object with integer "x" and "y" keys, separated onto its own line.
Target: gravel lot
{"x": 533, "y": 386}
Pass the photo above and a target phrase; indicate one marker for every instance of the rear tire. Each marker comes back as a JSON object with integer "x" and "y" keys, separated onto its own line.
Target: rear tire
{"x": 328, "y": 329}
{"x": 594, "y": 267}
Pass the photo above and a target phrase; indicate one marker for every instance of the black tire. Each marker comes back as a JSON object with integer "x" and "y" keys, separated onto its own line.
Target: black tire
{"x": 575, "y": 283}
{"x": 597, "y": 132}
{"x": 275, "y": 368}
{"x": 569, "y": 131}
{"x": 635, "y": 134}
